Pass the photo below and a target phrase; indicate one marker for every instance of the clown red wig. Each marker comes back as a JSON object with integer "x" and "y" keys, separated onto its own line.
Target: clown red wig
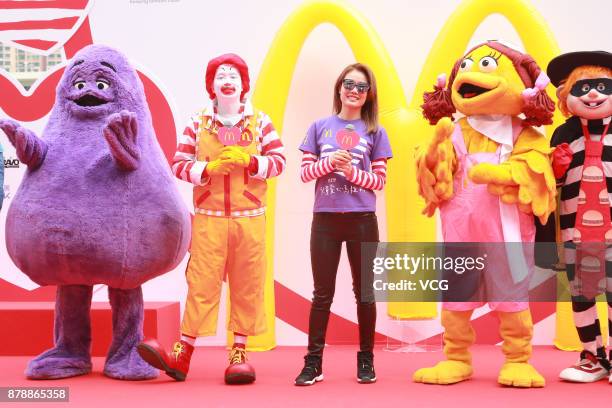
{"x": 538, "y": 110}
{"x": 229, "y": 59}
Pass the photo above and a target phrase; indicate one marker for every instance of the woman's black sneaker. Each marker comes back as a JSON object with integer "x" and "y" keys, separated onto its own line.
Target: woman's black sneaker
{"x": 312, "y": 371}
{"x": 365, "y": 367}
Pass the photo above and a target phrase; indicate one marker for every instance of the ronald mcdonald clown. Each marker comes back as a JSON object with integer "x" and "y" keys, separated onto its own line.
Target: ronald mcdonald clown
{"x": 227, "y": 151}
{"x": 489, "y": 174}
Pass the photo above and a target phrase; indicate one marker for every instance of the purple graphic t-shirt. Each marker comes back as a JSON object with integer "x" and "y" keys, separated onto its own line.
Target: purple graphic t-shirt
{"x": 333, "y": 193}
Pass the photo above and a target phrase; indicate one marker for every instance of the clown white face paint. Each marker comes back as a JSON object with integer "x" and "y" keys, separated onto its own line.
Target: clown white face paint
{"x": 227, "y": 86}
{"x": 591, "y": 98}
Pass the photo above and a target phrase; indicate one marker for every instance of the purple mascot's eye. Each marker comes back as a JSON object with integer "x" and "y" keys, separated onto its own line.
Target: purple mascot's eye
{"x": 102, "y": 85}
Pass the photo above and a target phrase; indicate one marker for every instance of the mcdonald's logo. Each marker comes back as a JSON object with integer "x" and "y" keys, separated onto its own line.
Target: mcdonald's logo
{"x": 246, "y": 137}
{"x": 404, "y": 219}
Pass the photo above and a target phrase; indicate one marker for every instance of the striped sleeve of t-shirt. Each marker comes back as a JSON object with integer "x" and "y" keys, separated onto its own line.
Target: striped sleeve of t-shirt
{"x": 374, "y": 180}
{"x": 312, "y": 168}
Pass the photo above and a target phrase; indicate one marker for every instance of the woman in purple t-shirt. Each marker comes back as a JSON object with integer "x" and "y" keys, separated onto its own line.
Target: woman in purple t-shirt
{"x": 347, "y": 154}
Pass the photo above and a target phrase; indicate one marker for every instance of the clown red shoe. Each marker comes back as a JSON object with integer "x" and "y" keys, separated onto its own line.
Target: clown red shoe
{"x": 239, "y": 371}
{"x": 175, "y": 364}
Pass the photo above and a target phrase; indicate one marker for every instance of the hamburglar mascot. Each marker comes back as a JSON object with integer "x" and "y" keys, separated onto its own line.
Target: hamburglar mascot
{"x": 582, "y": 162}
{"x": 227, "y": 151}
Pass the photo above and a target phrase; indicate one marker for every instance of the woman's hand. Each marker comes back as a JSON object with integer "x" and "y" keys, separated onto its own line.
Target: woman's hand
{"x": 340, "y": 158}
{"x": 346, "y": 169}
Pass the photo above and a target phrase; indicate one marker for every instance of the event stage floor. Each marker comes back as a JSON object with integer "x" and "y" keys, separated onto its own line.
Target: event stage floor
{"x": 277, "y": 369}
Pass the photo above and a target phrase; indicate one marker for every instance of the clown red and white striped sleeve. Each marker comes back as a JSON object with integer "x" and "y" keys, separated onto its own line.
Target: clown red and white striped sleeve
{"x": 312, "y": 168}
{"x": 271, "y": 162}
{"x": 185, "y": 166}
{"x": 374, "y": 180}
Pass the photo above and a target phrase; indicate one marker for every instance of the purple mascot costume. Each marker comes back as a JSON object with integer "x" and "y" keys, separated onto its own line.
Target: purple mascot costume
{"x": 98, "y": 205}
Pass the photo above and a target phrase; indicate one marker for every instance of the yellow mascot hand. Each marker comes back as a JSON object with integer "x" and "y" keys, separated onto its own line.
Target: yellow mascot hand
{"x": 487, "y": 173}
{"x": 498, "y": 178}
{"x": 532, "y": 170}
{"x": 526, "y": 179}
{"x": 508, "y": 194}
{"x": 235, "y": 155}
{"x": 219, "y": 167}
{"x": 436, "y": 164}
{"x": 535, "y": 189}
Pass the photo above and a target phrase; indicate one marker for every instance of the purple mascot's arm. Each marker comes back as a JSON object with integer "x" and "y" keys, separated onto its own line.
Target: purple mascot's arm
{"x": 121, "y": 131}
{"x": 31, "y": 150}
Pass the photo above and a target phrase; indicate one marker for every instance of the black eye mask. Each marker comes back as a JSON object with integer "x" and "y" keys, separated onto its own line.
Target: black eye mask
{"x": 584, "y": 86}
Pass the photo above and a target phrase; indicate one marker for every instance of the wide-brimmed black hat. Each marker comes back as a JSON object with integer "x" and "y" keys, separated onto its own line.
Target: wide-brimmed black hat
{"x": 562, "y": 66}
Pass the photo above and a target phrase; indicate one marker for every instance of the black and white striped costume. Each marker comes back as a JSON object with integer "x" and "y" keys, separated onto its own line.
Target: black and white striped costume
{"x": 585, "y": 312}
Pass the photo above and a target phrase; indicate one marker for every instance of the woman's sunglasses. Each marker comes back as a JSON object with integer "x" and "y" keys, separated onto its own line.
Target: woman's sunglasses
{"x": 349, "y": 85}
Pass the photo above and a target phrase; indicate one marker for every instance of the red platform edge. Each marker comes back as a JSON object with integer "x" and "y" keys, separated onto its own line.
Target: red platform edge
{"x": 27, "y": 327}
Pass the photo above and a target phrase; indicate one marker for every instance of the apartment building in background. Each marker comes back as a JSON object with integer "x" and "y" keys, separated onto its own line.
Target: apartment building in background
{"x": 24, "y": 66}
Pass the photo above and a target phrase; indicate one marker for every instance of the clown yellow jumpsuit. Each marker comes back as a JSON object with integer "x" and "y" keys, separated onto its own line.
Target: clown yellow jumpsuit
{"x": 228, "y": 237}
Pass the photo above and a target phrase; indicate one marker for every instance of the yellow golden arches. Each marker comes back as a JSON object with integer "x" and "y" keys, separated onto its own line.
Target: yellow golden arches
{"x": 273, "y": 83}
{"x": 271, "y": 89}
{"x": 454, "y": 37}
